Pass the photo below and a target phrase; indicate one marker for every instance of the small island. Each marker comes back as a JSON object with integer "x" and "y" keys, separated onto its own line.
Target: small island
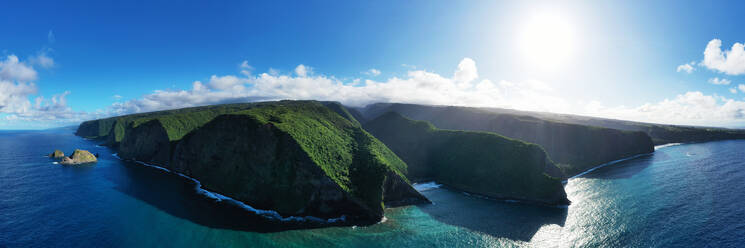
{"x": 77, "y": 157}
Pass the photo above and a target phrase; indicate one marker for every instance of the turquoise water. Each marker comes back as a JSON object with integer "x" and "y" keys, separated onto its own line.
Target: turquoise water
{"x": 686, "y": 195}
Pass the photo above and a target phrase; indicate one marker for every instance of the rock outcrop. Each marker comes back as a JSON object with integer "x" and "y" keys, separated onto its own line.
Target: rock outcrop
{"x": 57, "y": 154}
{"x": 79, "y": 157}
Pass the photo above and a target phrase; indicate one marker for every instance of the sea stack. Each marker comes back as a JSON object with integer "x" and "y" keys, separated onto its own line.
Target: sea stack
{"x": 57, "y": 154}
{"x": 79, "y": 157}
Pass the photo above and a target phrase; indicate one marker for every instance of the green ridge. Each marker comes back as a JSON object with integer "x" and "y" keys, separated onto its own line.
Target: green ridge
{"x": 479, "y": 162}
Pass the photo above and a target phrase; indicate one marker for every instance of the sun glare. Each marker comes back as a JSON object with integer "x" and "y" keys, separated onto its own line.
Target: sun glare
{"x": 547, "y": 40}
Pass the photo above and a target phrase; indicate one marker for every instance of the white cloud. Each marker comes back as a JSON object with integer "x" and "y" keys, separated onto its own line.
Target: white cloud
{"x": 229, "y": 82}
{"x": 372, "y": 72}
{"x": 418, "y": 86}
{"x": 719, "y": 81}
{"x": 302, "y": 70}
{"x": 246, "y": 69}
{"x": 687, "y": 68}
{"x": 12, "y": 69}
{"x": 731, "y": 62}
{"x": 463, "y": 88}
{"x": 691, "y": 108}
{"x": 733, "y": 90}
{"x": 43, "y": 60}
{"x": 17, "y": 87}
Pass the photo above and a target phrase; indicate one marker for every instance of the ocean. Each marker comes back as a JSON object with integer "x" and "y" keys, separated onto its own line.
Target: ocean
{"x": 684, "y": 195}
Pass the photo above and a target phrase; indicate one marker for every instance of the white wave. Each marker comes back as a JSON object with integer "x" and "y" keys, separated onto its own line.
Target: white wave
{"x": 609, "y": 163}
{"x": 667, "y": 145}
{"x": 271, "y": 214}
{"x": 426, "y": 186}
{"x": 383, "y": 220}
{"x": 55, "y": 163}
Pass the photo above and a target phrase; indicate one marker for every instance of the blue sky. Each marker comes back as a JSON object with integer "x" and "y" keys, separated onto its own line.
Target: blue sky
{"x": 610, "y": 59}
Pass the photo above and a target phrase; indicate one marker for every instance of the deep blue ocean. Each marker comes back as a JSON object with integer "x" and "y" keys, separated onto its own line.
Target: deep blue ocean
{"x": 689, "y": 195}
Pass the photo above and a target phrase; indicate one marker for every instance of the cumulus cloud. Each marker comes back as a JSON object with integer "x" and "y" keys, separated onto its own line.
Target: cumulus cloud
{"x": 687, "y": 67}
{"x": 691, "y": 108}
{"x": 719, "y": 81}
{"x": 731, "y": 62}
{"x": 302, "y": 70}
{"x": 418, "y": 86}
{"x": 12, "y": 69}
{"x": 17, "y": 87}
{"x": 463, "y": 87}
{"x": 733, "y": 90}
{"x": 372, "y": 72}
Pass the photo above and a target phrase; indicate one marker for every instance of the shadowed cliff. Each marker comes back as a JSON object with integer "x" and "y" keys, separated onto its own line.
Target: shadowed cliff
{"x": 574, "y": 148}
{"x": 478, "y": 162}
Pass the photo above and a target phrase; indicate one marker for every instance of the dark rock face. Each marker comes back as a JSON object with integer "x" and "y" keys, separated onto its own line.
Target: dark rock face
{"x": 476, "y": 162}
{"x": 147, "y": 142}
{"x": 259, "y": 164}
{"x": 397, "y": 192}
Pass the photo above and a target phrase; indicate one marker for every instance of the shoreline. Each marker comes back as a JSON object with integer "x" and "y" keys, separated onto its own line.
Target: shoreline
{"x": 270, "y": 214}
{"x": 607, "y": 164}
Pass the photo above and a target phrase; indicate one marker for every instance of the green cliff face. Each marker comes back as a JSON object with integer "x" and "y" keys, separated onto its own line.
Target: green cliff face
{"x": 574, "y": 148}
{"x": 147, "y": 142}
{"x": 477, "y": 162}
{"x": 294, "y": 157}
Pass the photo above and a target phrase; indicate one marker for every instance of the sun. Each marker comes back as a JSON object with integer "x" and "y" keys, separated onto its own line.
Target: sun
{"x": 547, "y": 40}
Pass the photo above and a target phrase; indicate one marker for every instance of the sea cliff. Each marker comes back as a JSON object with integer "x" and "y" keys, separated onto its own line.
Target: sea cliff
{"x": 299, "y": 158}
{"x": 574, "y": 148}
{"x": 478, "y": 162}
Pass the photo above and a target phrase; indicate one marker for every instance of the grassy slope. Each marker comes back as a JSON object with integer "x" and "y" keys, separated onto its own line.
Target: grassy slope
{"x": 177, "y": 122}
{"x": 479, "y": 162}
{"x": 349, "y": 155}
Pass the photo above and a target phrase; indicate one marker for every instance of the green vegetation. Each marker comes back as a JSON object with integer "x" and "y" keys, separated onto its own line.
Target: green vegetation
{"x": 574, "y": 147}
{"x": 296, "y": 157}
{"x": 478, "y": 162}
{"x": 79, "y": 157}
{"x": 57, "y": 154}
{"x": 349, "y": 155}
{"x": 177, "y": 123}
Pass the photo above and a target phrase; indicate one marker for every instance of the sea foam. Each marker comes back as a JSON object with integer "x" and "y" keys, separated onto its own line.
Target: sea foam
{"x": 609, "y": 163}
{"x": 426, "y": 186}
{"x": 270, "y": 214}
{"x": 666, "y": 145}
